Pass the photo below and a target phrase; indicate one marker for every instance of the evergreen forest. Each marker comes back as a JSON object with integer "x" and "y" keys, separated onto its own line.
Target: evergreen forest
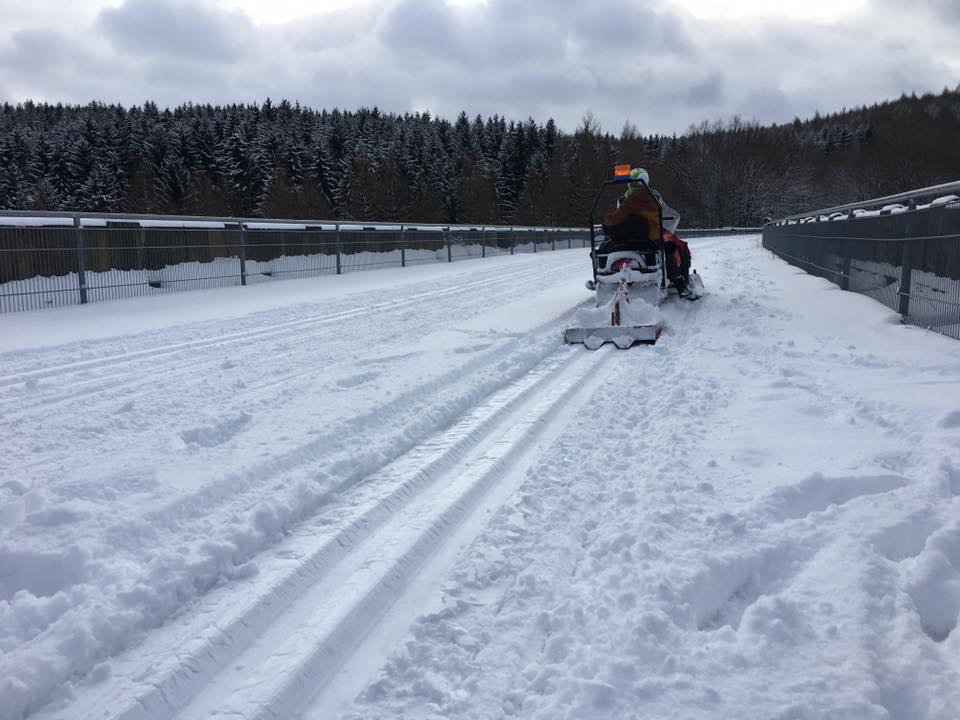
{"x": 283, "y": 160}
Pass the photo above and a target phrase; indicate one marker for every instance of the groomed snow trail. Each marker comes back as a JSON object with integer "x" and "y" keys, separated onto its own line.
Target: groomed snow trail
{"x": 398, "y": 494}
{"x": 209, "y": 471}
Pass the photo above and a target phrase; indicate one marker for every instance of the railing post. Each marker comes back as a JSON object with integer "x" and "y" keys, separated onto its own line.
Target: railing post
{"x": 534, "y": 242}
{"x": 483, "y": 241}
{"x": 846, "y": 255}
{"x": 513, "y": 240}
{"x": 81, "y": 260}
{"x": 845, "y": 267}
{"x": 906, "y": 280}
{"x": 403, "y": 247}
{"x": 339, "y": 251}
{"x": 906, "y": 260}
{"x": 446, "y": 237}
{"x": 243, "y": 253}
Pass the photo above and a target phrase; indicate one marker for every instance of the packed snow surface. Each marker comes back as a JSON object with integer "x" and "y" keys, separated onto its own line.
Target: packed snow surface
{"x": 398, "y": 494}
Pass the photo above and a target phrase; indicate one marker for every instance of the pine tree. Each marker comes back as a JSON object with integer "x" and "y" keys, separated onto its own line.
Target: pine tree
{"x": 174, "y": 183}
{"x": 14, "y": 191}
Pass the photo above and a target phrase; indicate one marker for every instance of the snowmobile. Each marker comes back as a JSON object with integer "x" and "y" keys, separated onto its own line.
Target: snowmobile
{"x": 629, "y": 273}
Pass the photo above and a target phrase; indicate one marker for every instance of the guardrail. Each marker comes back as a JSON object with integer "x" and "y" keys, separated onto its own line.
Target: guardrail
{"x": 906, "y": 256}
{"x": 50, "y": 259}
{"x": 54, "y": 259}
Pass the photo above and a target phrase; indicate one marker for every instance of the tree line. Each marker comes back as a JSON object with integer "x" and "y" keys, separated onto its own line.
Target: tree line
{"x": 287, "y": 161}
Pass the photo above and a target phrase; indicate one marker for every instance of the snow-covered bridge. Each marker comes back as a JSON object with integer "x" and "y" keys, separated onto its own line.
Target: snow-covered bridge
{"x": 397, "y": 493}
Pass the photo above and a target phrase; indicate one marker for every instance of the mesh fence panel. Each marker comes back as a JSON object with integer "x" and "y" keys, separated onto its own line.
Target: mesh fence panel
{"x": 468, "y": 243}
{"x": 371, "y": 249}
{"x": 38, "y": 268}
{"x": 288, "y": 254}
{"x": 423, "y": 246}
{"x": 133, "y": 262}
{"x": 909, "y": 261}
{"x": 124, "y": 256}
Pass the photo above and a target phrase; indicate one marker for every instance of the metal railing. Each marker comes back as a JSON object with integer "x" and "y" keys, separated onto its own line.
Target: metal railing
{"x": 717, "y": 232}
{"x": 55, "y": 259}
{"x": 934, "y": 191}
{"x": 906, "y": 256}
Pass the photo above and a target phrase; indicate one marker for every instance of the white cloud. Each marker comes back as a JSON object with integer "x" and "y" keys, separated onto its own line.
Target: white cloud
{"x": 816, "y": 11}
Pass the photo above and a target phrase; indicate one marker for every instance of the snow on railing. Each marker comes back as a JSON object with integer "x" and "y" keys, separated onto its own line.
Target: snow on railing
{"x": 945, "y": 195}
{"x": 36, "y": 218}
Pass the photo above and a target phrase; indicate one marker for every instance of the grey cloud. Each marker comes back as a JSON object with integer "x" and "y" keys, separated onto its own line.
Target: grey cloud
{"x": 768, "y": 102}
{"x": 35, "y": 51}
{"x": 536, "y": 56}
{"x": 52, "y": 65}
{"x": 171, "y": 75}
{"x": 637, "y": 59}
{"x": 940, "y": 10}
{"x": 176, "y": 28}
{"x": 472, "y": 37}
{"x": 331, "y": 30}
{"x": 706, "y": 93}
{"x": 631, "y": 29}
{"x": 503, "y": 34}
{"x": 949, "y": 9}
{"x": 425, "y": 28}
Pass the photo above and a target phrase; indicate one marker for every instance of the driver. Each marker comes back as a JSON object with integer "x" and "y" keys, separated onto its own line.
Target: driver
{"x": 637, "y": 216}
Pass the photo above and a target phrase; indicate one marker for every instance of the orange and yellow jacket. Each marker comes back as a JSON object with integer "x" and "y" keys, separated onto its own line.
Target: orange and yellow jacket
{"x": 637, "y": 202}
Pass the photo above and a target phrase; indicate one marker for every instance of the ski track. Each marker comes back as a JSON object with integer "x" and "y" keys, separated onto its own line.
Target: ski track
{"x": 346, "y": 577}
{"x": 135, "y": 525}
{"x": 308, "y": 354}
{"x": 272, "y": 326}
{"x": 74, "y": 377}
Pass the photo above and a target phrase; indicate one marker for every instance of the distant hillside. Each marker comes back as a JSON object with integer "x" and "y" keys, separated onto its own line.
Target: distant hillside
{"x": 284, "y": 160}
{"x": 739, "y": 173}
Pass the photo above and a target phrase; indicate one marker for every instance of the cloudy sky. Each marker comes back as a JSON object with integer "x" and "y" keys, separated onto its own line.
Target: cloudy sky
{"x": 662, "y": 64}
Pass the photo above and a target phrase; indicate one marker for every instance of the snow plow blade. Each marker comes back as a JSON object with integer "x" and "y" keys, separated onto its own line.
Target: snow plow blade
{"x": 622, "y": 337}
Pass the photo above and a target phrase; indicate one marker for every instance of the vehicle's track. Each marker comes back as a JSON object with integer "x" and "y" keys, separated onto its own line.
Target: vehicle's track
{"x": 131, "y": 374}
{"x": 211, "y": 469}
{"x": 255, "y": 372}
{"x": 265, "y": 647}
{"x": 333, "y": 451}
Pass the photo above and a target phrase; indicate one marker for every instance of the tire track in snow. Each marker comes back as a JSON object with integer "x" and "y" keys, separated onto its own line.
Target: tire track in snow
{"x": 142, "y": 373}
{"x": 274, "y": 327}
{"x": 263, "y": 651}
{"x": 416, "y": 411}
{"x": 207, "y": 516}
{"x": 188, "y": 385}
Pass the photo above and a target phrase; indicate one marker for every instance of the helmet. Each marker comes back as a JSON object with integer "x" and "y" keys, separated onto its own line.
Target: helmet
{"x": 640, "y": 174}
